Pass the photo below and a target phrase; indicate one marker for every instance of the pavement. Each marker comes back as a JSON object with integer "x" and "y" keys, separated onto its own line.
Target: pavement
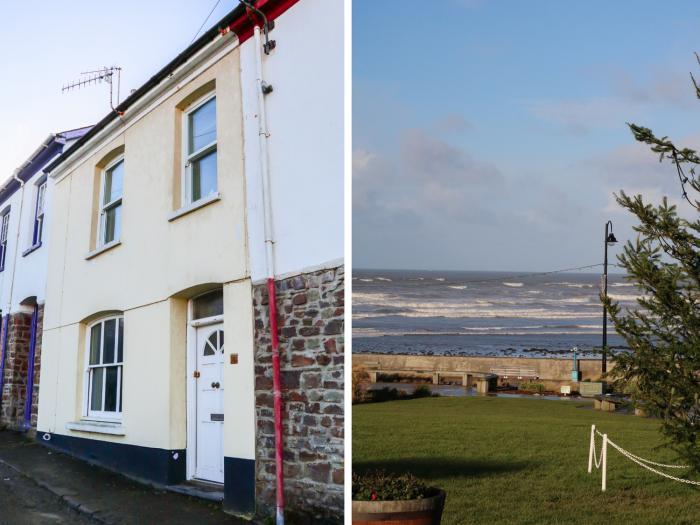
{"x": 40, "y": 486}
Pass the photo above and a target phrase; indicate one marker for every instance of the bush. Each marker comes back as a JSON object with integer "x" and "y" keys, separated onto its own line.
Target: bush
{"x": 359, "y": 378}
{"x": 378, "y": 485}
{"x": 422, "y": 391}
{"x": 532, "y": 386}
{"x": 377, "y": 395}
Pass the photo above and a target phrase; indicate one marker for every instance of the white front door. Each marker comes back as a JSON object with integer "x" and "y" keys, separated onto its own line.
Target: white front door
{"x": 210, "y": 403}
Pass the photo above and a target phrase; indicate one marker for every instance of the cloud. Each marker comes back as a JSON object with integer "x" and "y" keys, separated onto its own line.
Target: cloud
{"x": 428, "y": 182}
{"x": 626, "y": 95}
{"x": 634, "y": 165}
{"x": 636, "y": 170}
{"x": 426, "y": 157}
{"x": 453, "y": 124}
{"x": 660, "y": 86}
{"x": 581, "y": 116}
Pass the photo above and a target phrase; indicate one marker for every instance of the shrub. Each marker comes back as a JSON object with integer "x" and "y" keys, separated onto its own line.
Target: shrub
{"x": 359, "y": 378}
{"x": 377, "y": 395}
{"x": 532, "y": 386}
{"x": 378, "y": 485}
{"x": 422, "y": 391}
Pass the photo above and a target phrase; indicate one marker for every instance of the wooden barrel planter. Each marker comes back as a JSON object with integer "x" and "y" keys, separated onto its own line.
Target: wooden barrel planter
{"x": 426, "y": 511}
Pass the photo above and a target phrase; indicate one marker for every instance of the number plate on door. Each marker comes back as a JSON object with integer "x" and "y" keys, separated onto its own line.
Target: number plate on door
{"x": 217, "y": 417}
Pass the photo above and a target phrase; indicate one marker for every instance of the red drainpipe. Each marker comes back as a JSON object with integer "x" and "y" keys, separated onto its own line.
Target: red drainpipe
{"x": 277, "y": 393}
{"x": 246, "y": 27}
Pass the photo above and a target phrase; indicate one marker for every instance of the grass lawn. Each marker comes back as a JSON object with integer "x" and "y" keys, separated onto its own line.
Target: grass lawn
{"x": 522, "y": 461}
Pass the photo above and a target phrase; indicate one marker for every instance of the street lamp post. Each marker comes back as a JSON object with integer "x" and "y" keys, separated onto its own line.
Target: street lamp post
{"x": 609, "y": 240}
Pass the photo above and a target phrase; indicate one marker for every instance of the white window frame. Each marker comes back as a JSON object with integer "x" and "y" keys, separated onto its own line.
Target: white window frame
{"x": 103, "y": 208}
{"x": 39, "y": 210}
{"x": 4, "y": 229}
{"x": 187, "y": 157}
{"x": 102, "y": 415}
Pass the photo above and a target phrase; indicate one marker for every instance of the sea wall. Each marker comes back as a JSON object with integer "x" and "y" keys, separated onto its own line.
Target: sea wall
{"x": 552, "y": 372}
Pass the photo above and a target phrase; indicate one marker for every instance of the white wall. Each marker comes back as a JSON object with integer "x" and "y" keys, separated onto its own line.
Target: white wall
{"x": 305, "y": 119}
{"x": 29, "y": 272}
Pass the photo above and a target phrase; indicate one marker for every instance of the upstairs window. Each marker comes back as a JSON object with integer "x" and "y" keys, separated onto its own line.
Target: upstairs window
{"x": 200, "y": 150}
{"x": 104, "y": 368}
{"x": 111, "y": 202}
{"x": 38, "y": 231}
{"x": 4, "y": 224}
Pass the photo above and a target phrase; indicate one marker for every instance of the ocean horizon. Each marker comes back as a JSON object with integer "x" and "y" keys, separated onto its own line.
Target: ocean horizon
{"x": 484, "y": 313}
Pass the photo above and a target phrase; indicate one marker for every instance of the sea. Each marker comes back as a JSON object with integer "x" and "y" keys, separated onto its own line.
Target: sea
{"x": 460, "y": 313}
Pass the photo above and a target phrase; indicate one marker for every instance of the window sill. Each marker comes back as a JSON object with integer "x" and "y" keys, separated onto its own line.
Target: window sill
{"x": 102, "y": 249}
{"x": 194, "y": 206}
{"x": 114, "y": 428}
{"x": 31, "y": 249}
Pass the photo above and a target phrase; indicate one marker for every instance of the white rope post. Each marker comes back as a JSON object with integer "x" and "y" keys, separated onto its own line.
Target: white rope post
{"x": 604, "y": 459}
{"x": 591, "y": 450}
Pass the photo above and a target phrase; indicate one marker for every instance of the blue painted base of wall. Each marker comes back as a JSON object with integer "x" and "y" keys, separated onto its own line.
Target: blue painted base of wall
{"x": 167, "y": 467}
{"x": 239, "y": 486}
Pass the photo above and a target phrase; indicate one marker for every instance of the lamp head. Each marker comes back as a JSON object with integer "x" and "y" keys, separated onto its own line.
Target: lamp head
{"x": 611, "y": 239}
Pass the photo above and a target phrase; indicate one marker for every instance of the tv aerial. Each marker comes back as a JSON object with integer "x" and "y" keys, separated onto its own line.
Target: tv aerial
{"x": 98, "y": 76}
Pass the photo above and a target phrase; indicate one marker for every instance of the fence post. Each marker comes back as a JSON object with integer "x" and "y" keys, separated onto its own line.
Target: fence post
{"x": 591, "y": 449}
{"x": 604, "y": 460}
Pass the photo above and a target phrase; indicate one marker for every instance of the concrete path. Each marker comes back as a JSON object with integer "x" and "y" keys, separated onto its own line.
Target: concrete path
{"x": 23, "y": 501}
{"x": 46, "y": 487}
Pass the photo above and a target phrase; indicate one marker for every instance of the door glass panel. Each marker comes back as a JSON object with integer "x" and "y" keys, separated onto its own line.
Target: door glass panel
{"x": 96, "y": 390}
{"x": 111, "y": 389}
{"x": 108, "y": 351}
{"x": 209, "y": 305}
{"x": 214, "y": 342}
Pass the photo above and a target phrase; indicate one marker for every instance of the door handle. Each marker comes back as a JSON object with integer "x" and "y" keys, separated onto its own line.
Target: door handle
{"x": 215, "y": 385}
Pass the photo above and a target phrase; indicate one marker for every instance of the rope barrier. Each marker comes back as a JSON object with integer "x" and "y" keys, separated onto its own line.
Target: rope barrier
{"x": 601, "y": 464}
{"x": 645, "y": 460}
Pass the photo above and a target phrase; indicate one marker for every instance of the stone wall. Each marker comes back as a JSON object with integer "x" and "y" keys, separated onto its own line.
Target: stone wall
{"x": 16, "y": 369}
{"x": 552, "y": 371}
{"x": 311, "y": 323}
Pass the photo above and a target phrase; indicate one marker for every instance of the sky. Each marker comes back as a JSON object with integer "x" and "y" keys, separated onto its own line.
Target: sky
{"x": 491, "y": 135}
{"x": 45, "y": 45}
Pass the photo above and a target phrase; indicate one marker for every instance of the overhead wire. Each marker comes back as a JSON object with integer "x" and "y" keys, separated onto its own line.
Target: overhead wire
{"x": 205, "y": 20}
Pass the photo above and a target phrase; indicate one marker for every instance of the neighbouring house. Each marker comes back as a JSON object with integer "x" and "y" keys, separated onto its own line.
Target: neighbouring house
{"x": 25, "y": 209}
{"x": 170, "y": 218}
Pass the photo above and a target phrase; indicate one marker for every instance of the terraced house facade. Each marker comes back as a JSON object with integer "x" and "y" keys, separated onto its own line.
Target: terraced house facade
{"x": 25, "y": 211}
{"x": 194, "y": 231}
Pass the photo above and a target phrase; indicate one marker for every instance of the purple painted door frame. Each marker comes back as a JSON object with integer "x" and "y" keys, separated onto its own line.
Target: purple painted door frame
{"x": 30, "y": 370}
{"x": 3, "y": 350}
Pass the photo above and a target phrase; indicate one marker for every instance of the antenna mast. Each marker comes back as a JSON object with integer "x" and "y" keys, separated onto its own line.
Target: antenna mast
{"x": 106, "y": 74}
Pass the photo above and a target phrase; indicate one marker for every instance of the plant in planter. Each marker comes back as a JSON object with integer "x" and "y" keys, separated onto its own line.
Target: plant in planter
{"x": 400, "y": 499}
